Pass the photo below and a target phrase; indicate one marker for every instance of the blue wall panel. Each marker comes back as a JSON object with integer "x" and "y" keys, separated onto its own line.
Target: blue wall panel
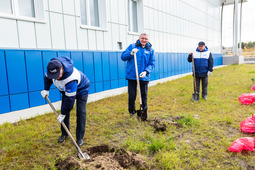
{"x": 105, "y": 71}
{"x": 107, "y": 85}
{"x": 17, "y": 78}
{"x": 92, "y": 88}
{"x": 3, "y": 75}
{"x": 88, "y": 62}
{"x": 34, "y": 70}
{"x": 99, "y": 87}
{"x": 63, "y": 54}
{"x": 35, "y": 99}
{"x": 106, "y": 66}
{"x": 77, "y": 60}
{"x": 114, "y": 66}
{"x": 98, "y": 67}
{"x": 19, "y": 101}
{"x": 4, "y": 104}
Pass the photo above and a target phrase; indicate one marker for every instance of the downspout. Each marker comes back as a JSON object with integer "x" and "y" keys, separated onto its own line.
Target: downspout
{"x": 240, "y": 35}
{"x": 221, "y": 27}
{"x": 236, "y": 27}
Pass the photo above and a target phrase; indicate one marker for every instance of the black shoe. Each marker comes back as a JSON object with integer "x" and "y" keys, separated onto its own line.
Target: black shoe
{"x": 80, "y": 142}
{"x": 62, "y": 138}
{"x": 144, "y": 115}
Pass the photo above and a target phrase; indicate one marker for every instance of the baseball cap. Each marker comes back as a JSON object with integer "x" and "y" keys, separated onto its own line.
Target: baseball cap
{"x": 201, "y": 43}
{"x": 53, "y": 69}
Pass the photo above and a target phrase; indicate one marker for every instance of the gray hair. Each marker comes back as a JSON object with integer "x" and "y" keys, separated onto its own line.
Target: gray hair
{"x": 144, "y": 34}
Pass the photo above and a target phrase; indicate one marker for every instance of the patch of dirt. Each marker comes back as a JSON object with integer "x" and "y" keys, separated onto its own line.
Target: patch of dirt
{"x": 104, "y": 157}
{"x": 160, "y": 124}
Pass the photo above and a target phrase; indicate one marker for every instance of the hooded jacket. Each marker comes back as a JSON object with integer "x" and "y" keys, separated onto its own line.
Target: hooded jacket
{"x": 145, "y": 60}
{"x": 203, "y": 62}
{"x": 73, "y": 84}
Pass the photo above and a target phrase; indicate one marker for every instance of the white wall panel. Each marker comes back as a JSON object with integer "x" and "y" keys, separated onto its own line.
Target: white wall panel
{"x": 82, "y": 35}
{"x": 77, "y": 8}
{"x": 114, "y": 11}
{"x": 92, "y": 39}
{"x": 26, "y": 34}
{"x": 146, "y": 18}
{"x": 68, "y": 7}
{"x": 129, "y": 41}
{"x": 43, "y": 37}
{"x": 55, "y": 5}
{"x": 8, "y": 33}
{"x": 57, "y": 31}
{"x": 108, "y": 38}
{"x": 100, "y": 40}
{"x": 70, "y": 32}
{"x": 123, "y": 35}
{"x": 46, "y": 6}
{"x": 115, "y": 36}
{"x": 122, "y": 11}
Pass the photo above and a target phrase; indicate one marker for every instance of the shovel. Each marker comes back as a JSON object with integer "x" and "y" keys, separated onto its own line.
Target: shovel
{"x": 81, "y": 155}
{"x": 140, "y": 113}
{"x": 195, "y": 95}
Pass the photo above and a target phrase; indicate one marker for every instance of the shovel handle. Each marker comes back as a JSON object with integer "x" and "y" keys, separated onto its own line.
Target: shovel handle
{"x": 137, "y": 79}
{"x": 194, "y": 72}
{"x": 64, "y": 126}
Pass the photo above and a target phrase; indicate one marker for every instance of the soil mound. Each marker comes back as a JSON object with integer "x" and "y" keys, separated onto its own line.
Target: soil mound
{"x": 104, "y": 157}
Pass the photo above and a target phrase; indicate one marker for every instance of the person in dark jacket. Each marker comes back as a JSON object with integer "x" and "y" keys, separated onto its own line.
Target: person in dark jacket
{"x": 145, "y": 62}
{"x": 73, "y": 84}
{"x": 203, "y": 61}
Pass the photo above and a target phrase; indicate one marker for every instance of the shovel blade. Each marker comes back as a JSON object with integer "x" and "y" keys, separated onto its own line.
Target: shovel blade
{"x": 83, "y": 156}
{"x": 142, "y": 114}
{"x": 195, "y": 97}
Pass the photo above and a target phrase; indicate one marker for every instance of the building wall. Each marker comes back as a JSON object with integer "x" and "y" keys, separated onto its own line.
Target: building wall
{"x": 175, "y": 27}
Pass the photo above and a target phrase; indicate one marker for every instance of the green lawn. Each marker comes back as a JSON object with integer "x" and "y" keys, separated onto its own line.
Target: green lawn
{"x": 209, "y": 127}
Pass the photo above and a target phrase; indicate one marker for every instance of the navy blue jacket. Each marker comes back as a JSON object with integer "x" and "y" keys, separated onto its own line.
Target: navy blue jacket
{"x": 73, "y": 84}
{"x": 145, "y": 60}
{"x": 203, "y": 62}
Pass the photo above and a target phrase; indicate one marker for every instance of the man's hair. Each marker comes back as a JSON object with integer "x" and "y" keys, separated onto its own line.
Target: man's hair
{"x": 144, "y": 34}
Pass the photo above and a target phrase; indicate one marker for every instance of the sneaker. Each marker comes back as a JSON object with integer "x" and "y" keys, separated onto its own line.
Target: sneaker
{"x": 204, "y": 97}
{"x": 80, "y": 142}
{"x": 62, "y": 138}
{"x": 132, "y": 114}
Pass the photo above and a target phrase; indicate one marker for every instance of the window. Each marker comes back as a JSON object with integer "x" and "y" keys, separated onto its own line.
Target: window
{"x": 132, "y": 16}
{"x": 93, "y": 13}
{"x": 135, "y": 21}
{"x": 22, "y": 9}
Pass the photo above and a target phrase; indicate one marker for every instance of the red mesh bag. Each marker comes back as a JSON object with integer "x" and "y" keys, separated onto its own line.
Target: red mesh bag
{"x": 248, "y": 125}
{"x": 248, "y": 98}
{"x": 253, "y": 87}
{"x": 242, "y": 144}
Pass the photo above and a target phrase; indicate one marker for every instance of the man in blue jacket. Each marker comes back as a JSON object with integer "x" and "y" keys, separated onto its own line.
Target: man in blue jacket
{"x": 145, "y": 62}
{"x": 73, "y": 84}
{"x": 203, "y": 62}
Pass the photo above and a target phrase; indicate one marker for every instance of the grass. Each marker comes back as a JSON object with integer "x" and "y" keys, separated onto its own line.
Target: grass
{"x": 209, "y": 127}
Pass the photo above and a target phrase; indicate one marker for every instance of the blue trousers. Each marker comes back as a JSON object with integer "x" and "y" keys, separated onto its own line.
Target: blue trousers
{"x": 132, "y": 88}
{"x": 80, "y": 118}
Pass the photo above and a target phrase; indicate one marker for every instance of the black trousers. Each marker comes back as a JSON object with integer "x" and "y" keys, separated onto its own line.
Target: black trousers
{"x": 204, "y": 81}
{"x": 80, "y": 118}
{"x": 132, "y": 88}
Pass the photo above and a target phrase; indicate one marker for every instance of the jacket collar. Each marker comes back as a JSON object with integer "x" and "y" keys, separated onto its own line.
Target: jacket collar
{"x": 147, "y": 46}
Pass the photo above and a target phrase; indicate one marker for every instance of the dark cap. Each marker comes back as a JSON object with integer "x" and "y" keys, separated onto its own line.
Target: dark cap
{"x": 53, "y": 69}
{"x": 201, "y": 43}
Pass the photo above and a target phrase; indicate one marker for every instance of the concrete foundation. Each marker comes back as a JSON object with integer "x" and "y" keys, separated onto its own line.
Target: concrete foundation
{"x": 228, "y": 60}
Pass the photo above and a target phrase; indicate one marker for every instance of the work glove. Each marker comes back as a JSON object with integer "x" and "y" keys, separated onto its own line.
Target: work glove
{"x": 209, "y": 73}
{"x": 134, "y": 51}
{"x": 143, "y": 74}
{"x": 45, "y": 93}
{"x": 61, "y": 118}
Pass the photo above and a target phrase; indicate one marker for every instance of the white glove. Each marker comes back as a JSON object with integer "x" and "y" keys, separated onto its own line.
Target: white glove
{"x": 209, "y": 73}
{"x": 45, "y": 93}
{"x": 143, "y": 74}
{"x": 134, "y": 51}
{"x": 61, "y": 118}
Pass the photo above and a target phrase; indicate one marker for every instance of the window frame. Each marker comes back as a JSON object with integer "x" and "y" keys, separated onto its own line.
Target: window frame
{"x": 39, "y": 12}
{"x": 102, "y": 19}
{"x": 140, "y": 20}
